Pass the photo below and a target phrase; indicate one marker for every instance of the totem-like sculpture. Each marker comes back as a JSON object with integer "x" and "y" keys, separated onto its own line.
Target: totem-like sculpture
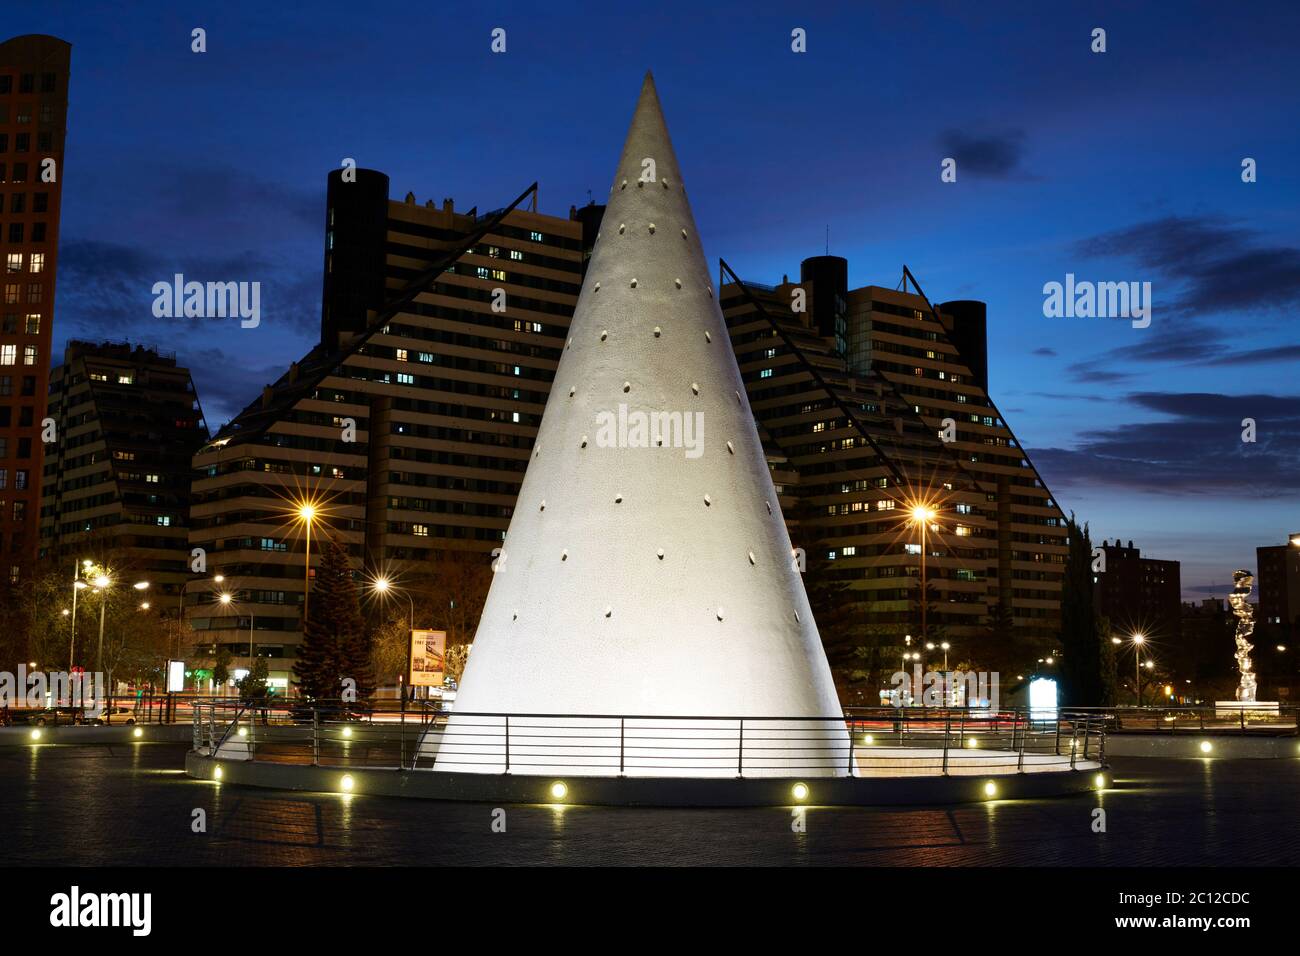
{"x": 1243, "y": 581}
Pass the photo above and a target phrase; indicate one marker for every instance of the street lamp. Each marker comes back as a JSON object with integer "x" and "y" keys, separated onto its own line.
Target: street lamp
{"x": 923, "y": 515}
{"x": 1138, "y": 641}
{"x": 383, "y": 586}
{"x": 945, "y": 646}
{"x": 306, "y": 513}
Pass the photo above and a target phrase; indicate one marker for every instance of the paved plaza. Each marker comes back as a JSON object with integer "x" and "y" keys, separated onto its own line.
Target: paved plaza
{"x": 98, "y": 805}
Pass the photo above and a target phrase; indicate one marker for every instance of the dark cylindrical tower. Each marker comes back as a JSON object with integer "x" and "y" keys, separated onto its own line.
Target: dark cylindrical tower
{"x": 970, "y": 335}
{"x": 829, "y": 276}
{"x": 356, "y": 233}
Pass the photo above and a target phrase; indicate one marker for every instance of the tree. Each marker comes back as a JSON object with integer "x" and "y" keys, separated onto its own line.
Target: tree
{"x": 252, "y": 686}
{"x": 221, "y": 666}
{"x": 334, "y": 633}
{"x": 1085, "y": 649}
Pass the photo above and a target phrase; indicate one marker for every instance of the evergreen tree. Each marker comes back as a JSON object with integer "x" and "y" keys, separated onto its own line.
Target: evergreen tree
{"x": 1086, "y": 656}
{"x": 334, "y": 632}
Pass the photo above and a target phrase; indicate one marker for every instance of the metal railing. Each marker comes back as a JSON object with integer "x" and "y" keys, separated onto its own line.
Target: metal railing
{"x": 1227, "y": 718}
{"x": 885, "y": 743}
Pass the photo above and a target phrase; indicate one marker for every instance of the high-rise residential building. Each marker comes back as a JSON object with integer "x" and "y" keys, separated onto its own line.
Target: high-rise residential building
{"x": 33, "y": 120}
{"x": 408, "y": 427}
{"x": 1278, "y": 590}
{"x": 874, "y": 405}
{"x": 1139, "y": 595}
{"x": 116, "y": 483}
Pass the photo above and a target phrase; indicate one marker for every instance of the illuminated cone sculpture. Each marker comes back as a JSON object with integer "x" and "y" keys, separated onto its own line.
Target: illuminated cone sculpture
{"x": 647, "y": 572}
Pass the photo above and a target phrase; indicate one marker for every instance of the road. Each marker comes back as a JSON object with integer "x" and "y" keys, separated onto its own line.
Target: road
{"x": 132, "y": 804}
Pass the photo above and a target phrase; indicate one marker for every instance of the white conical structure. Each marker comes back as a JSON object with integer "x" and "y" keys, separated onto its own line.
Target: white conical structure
{"x": 646, "y": 574}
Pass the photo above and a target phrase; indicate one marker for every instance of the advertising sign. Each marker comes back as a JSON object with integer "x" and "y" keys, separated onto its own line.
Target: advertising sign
{"x": 175, "y": 676}
{"x": 428, "y": 658}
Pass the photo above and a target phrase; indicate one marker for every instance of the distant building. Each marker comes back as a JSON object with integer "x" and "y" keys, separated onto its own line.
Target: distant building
{"x": 117, "y": 482}
{"x": 411, "y": 422}
{"x": 869, "y": 403}
{"x": 33, "y": 121}
{"x": 1278, "y": 588}
{"x": 1140, "y": 595}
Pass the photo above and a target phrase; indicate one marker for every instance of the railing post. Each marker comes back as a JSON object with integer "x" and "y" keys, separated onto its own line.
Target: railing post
{"x": 1074, "y": 741}
{"x": 1024, "y": 737}
{"x": 622, "y": 722}
{"x": 1087, "y": 727}
{"x": 507, "y": 743}
{"x": 197, "y": 721}
{"x": 961, "y": 732}
{"x": 1058, "y": 734}
{"x": 212, "y": 729}
{"x": 850, "y": 727}
{"x": 740, "y": 750}
{"x": 315, "y": 737}
{"x": 401, "y": 743}
{"x": 947, "y": 729}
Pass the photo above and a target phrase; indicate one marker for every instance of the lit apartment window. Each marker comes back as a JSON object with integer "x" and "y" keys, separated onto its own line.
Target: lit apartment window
{"x": 499, "y": 274}
{"x": 125, "y": 378}
{"x": 8, "y": 354}
{"x": 151, "y": 479}
{"x": 912, "y": 548}
{"x": 494, "y": 252}
{"x": 164, "y": 521}
{"x": 33, "y": 324}
{"x": 819, "y": 426}
{"x": 885, "y": 504}
{"x": 14, "y": 262}
{"x": 405, "y": 378}
{"x": 481, "y": 272}
{"x": 765, "y": 373}
{"x": 29, "y": 354}
{"x": 536, "y": 236}
{"x": 11, "y": 293}
{"x": 849, "y": 551}
{"x": 516, "y": 255}
{"x": 420, "y": 530}
{"x": 963, "y": 531}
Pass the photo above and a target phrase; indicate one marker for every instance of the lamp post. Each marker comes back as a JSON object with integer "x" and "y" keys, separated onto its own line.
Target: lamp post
{"x": 306, "y": 514}
{"x": 382, "y": 586}
{"x": 1138, "y": 641}
{"x": 945, "y": 645}
{"x": 77, "y": 585}
{"x": 923, "y": 515}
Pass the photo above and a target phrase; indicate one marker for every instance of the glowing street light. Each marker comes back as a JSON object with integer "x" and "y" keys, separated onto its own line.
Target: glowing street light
{"x": 922, "y": 515}
{"x": 306, "y": 512}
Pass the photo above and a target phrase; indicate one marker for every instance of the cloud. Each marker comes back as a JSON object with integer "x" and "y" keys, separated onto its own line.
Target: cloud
{"x": 1202, "y": 268}
{"x": 1045, "y": 351}
{"x": 1194, "y": 449}
{"x": 992, "y": 155}
{"x": 105, "y": 289}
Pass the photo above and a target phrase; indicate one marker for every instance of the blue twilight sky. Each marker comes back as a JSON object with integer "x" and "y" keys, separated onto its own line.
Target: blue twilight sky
{"x": 1122, "y": 166}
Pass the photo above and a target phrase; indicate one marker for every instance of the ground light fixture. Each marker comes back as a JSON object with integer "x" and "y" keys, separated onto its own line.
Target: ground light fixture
{"x": 1206, "y": 746}
{"x": 868, "y": 739}
{"x": 347, "y": 783}
{"x": 1099, "y": 781}
{"x": 990, "y": 789}
{"x": 347, "y": 732}
{"x": 800, "y": 792}
{"x": 973, "y": 743}
{"x": 559, "y": 790}
{"x": 138, "y": 732}
{"x": 36, "y": 735}
{"x": 217, "y": 774}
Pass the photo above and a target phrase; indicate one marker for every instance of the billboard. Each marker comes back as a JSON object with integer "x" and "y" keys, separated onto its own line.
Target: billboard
{"x": 175, "y": 676}
{"x": 428, "y": 658}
